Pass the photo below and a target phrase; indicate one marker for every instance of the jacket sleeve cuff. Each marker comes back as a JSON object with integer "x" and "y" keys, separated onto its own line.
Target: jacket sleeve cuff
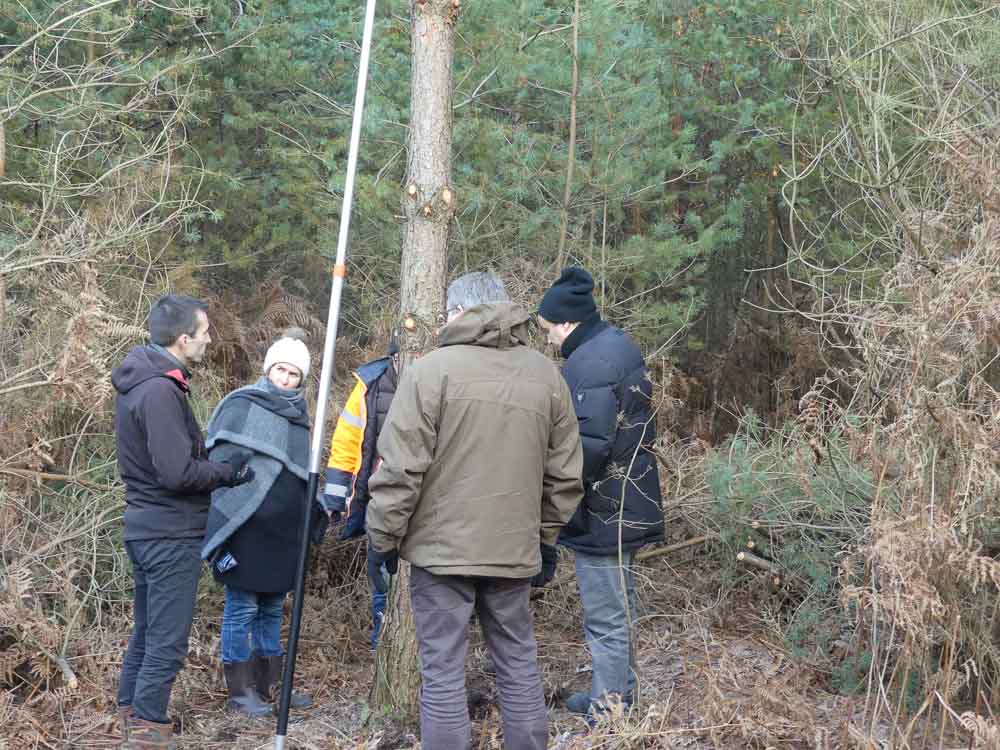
{"x": 381, "y": 542}
{"x": 336, "y": 490}
{"x": 550, "y": 535}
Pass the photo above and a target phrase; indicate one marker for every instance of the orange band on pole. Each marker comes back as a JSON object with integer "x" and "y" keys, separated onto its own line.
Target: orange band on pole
{"x": 340, "y": 270}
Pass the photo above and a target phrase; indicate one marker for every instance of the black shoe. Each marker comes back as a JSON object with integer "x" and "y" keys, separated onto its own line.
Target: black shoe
{"x": 578, "y": 703}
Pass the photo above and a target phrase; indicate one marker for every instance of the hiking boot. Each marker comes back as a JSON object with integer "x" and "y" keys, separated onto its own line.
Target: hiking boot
{"x": 123, "y": 718}
{"x": 148, "y": 735}
{"x": 243, "y": 698}
{"x": 268, "y": 671}
{"x": 578, "y": 703}
{"x": 608, "y": 700}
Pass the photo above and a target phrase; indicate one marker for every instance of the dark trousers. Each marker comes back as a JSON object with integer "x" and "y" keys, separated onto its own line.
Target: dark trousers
{"x": 442, "y": 608}
{"x": 165, "y": 573}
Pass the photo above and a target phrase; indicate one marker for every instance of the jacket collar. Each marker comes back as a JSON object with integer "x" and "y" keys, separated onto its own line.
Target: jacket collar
{"x": 587, "y": 329}
{"x": 180, "y": 373}
{"x": 369, "y": 372}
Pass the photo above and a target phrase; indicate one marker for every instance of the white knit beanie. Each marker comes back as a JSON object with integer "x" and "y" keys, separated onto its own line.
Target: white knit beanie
{"x": 291, "y": 352}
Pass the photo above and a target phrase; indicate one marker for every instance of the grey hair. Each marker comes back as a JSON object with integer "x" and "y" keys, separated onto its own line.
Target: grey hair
{"x": 477, "y": 288}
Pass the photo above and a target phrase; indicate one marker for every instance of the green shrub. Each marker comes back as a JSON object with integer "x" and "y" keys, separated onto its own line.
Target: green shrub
{"x": 796, "y": 500}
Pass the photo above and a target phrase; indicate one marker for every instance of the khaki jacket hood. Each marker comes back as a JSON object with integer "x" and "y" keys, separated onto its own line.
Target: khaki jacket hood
{"x": 499, "y": 325}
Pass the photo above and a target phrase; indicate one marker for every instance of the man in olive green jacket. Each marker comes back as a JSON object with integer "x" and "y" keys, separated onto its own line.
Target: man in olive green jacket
{"x": 481, "y": 462}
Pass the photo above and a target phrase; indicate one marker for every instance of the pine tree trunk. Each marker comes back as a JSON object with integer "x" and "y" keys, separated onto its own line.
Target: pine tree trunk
{"x": 429, "y": 206}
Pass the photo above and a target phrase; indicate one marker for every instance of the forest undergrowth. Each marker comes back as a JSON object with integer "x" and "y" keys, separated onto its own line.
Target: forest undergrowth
{"x": 831, "y": 585}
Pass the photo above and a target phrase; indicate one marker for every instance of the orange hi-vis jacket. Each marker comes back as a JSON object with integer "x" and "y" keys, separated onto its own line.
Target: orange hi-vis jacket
{"x": 351, "y": 454}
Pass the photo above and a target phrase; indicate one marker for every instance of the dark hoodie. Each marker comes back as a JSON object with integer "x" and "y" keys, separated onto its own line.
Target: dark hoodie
{"x": 161, "y": 454}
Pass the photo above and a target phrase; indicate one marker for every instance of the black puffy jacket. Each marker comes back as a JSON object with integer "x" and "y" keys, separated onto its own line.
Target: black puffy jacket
{"x": 612, "y": 397}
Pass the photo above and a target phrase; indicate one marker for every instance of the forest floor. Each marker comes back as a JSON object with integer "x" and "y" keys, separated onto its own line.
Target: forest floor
{"x": 713, "y": 674}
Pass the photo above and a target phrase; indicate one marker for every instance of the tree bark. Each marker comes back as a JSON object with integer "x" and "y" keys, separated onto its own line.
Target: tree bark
{"x": 429, "y": 200}
{"x": 429, "y": 203}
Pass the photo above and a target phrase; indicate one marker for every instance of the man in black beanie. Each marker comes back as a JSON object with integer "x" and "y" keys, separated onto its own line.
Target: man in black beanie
{"x": 621, "y": 508}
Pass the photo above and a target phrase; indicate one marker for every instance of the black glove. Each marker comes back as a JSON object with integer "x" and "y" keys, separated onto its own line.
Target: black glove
{"x": 241, "y": 471}
{"x": 320, "y": 523}
{"x": 550, "y": 558}
{"x": 325, "y": 502}
{"x": 355, "y": 526}
{"x": 376, "y": 560}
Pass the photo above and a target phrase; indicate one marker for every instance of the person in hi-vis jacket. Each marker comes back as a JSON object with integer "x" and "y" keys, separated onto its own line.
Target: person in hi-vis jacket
{"x": 353, "y": 454}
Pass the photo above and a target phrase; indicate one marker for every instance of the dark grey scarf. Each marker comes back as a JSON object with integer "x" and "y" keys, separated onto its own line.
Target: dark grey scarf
{"x": 272, "y": 423}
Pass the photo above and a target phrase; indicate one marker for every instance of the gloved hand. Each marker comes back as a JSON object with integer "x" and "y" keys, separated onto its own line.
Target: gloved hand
{"x": 355, "y": 526}
{"x": 241, "y": 470}
{"x": 320, "y": 523}
{"x": 550, "y": 558}
{"x": 332, "y": 506}
{"x": 376, "y": 560}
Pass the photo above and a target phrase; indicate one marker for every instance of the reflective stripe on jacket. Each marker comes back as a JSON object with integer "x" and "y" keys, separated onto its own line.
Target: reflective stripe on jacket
{"x": 345, "y": 450}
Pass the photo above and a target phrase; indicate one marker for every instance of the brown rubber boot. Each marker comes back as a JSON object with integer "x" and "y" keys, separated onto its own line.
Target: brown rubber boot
{"x": 268, "y": 671}
{"x": 243, "y": 698}
{"x": 148, "y": 735}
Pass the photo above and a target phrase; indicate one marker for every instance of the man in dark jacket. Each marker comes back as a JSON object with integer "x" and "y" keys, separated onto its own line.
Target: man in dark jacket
{"x": 621, "y": 509}
{"x": 480, "y": 461}
{"x": 168, "y": 484}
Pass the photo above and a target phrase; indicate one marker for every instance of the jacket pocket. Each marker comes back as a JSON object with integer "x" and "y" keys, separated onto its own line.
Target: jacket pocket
{"x": 597, "y": 413}
{"x": 604, "y": 497}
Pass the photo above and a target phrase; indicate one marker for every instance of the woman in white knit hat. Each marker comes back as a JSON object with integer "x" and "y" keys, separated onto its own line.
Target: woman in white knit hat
{"x": 253, "y": 530}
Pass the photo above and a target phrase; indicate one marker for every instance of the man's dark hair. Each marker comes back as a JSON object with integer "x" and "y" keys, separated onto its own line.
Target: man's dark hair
{"x": 173, "y": 315}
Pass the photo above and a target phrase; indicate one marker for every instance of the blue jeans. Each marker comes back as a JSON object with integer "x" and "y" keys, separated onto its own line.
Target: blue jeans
{"x": 378, "y": 613}
{"x": 605, "y": 623}
{"x": 165, "y": 574}
{"x": 249, "y": 616}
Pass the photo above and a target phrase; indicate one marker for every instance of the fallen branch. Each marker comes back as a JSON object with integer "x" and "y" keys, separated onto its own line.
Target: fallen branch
{"x": 50, "y": 477}
{"x": 67, "y": 671}
{"x": 42, "y": 731}
{"x": 23, "y": 386}
{"x": 758, "y": 562}
{"x": 649, "y": 554}
{"x": 646, "y": 554}
{"x": 53, "y": 543}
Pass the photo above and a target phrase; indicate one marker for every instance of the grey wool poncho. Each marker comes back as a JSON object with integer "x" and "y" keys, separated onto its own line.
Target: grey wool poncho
{"x": 271, "y": 423}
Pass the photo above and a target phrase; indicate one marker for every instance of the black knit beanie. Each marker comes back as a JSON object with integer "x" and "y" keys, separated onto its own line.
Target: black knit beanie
{"x": 570, "y": 299}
